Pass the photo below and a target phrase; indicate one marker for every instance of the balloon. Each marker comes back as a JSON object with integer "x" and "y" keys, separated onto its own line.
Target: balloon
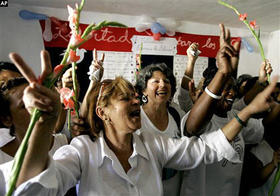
{"x": 170, "y": 33}
{"x": 247, "y": 45}
{"x": 158, "y": 28}
{"x": 141, "y": 27}
{"x": 156, "y": 36}
{"x": 27, "y": 15}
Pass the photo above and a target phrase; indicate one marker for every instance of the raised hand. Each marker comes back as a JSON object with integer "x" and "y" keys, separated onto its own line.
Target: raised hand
{"x": 193, "y": 92}
{"x": 263, "y": 101}
{"x": 193, "y": 52}
{"x": 96, "y": 68}
{"x": 227, "y": 53}
{"x": 36, "y": 95}
{"x": 264, "y": 70}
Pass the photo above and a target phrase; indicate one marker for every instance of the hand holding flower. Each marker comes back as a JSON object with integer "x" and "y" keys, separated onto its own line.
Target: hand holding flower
{"x": 265, "y": 69}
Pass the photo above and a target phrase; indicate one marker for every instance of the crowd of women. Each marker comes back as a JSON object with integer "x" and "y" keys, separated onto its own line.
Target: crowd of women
{"x": 221, "y": 140}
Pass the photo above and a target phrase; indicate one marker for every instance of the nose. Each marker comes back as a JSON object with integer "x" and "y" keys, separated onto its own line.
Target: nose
{"x": 135, "y": 99}
{"x": 161, "y": 83}
{"x": 231, "y": 93}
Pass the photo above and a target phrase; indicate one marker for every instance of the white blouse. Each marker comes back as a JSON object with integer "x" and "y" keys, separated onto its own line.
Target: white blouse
{"x": 100, "y": 172}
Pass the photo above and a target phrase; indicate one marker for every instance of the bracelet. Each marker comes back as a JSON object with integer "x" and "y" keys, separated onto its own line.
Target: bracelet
{"x": 241, "y": 122}
{"x": 188, "y": 77}
{"x": 212, "y": 94}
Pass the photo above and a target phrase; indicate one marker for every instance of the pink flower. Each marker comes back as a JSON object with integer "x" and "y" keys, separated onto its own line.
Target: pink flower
{"x": 76, "y": 39}
{"x": 66, "y": 95}
{"x": 73, "y": 15}
{"x": 58, "y": 69}
{"x": 253, "y": 24}
{"x": 243, "y": 17}
{"x": 73, "y": 56}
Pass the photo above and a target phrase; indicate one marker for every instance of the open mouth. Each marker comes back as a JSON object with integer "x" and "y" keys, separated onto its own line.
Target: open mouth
{"x": 161, "y": 93}
{"x": 135, "y": 113}
{"x": 229, "y": 101}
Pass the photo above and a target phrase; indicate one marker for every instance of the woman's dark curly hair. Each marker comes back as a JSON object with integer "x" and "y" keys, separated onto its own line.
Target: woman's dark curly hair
{"x": 8, "y": 66}
{"x": 147, "y": 73}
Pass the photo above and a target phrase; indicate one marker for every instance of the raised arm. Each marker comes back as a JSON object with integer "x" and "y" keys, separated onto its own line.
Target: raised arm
{"x": 260, "y": 84}
{"x": 202, "y": 110}
{"x": 95, "y": 74}
{"x": 262, "y": 102}
{"x": 192, "y": 53}
{"x": 46, "y": 100}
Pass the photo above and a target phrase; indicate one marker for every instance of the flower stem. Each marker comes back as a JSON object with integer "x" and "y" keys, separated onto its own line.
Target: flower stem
{"x": 275, "y": 181}
{"x": 74, "y": 78}
{"x": 69, "y": 120}
{"x": 250, "y": 28}
{"x": 19, "y": 157}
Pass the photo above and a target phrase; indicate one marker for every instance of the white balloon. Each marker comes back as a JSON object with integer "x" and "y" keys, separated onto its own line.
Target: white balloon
{"x": 142, "y": 27}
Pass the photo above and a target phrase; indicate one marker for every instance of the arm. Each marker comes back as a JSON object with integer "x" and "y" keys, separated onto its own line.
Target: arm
{"x": 190, "y": 66}
{"x": 46, "y": 101}
{"x": 261, "y": 103}
{"x": 259, "y": 85}
{"x": 202, "y": 110}
{"x": 96, "y": 68}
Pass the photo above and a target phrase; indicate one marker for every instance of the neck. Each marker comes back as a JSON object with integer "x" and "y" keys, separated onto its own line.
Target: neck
{"x": 11, "y": 148}
{"x": 152, "y": 109}
{"x": 118, "y": 142}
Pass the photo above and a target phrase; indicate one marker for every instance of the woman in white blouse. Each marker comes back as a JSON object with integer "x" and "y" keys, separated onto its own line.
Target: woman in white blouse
{"x": 115, "y": 160}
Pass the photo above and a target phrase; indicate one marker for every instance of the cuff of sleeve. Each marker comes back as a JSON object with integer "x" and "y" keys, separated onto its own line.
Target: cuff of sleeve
{"x": 183, "y": 123}
{"x": 221, "y": 145}
{"x": 46, "y": 179}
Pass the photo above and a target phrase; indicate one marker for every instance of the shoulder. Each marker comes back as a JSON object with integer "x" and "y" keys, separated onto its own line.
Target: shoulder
{"x": 177, "y": 108}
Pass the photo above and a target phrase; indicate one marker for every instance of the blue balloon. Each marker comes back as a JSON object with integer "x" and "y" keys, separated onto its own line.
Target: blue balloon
{"x": 247, "y": 45}
{"x": 27, "y": 15}
{"x": 157, "y": 27}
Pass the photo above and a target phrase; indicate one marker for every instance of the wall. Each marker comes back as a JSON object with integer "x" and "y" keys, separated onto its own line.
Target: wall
{"x": 24, "y": 36}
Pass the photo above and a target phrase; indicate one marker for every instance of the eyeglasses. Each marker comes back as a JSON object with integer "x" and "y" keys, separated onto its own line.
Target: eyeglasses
{"x": 104, "y": 83}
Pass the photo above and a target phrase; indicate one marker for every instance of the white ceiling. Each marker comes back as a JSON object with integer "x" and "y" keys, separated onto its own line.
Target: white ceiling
{"x": 266, "y": 12}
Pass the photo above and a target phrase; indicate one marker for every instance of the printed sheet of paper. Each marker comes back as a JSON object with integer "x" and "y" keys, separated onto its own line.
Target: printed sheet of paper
{"x": 166, "y": 46}
{"x": 118, "y": 64}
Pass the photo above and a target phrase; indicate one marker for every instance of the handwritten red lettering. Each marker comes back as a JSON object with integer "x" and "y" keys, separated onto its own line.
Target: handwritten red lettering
{"x": 112, "y": 38}
{"x": 183, "y": 43}
{"x": 210, "y": 45}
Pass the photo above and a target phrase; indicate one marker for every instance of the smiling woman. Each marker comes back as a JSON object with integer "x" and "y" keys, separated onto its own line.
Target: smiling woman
{"x": 156, "y": 85}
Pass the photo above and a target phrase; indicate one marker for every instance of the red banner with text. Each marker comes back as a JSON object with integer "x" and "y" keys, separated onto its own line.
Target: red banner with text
{"x": 119, "y": 39}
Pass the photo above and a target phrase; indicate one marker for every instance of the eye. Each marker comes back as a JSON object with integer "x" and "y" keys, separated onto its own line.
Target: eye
{"x": 155, "y": 81}
{"x": 167, "y": 81}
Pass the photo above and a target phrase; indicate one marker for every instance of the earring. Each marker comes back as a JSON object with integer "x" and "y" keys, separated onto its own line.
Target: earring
{"x": 144, "y": 99}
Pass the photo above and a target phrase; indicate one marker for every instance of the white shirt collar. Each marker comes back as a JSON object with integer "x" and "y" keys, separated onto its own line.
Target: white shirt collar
{"x": 5, "y": 137}
{"x": 105, "y": 151}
